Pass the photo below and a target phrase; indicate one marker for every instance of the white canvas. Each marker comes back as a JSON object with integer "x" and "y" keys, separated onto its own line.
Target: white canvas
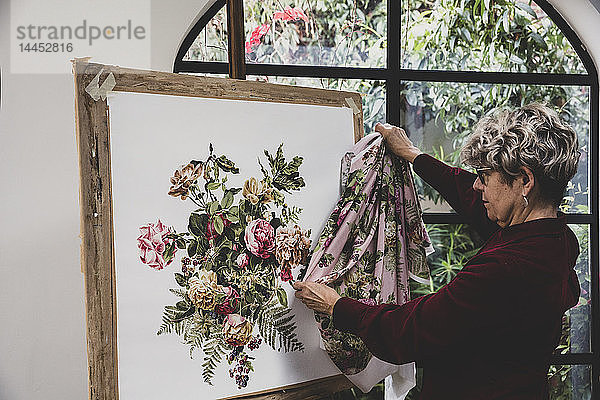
{"x": 152, "y": 135}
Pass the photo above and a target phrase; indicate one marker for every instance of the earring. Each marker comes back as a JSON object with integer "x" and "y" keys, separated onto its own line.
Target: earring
{"x": 526, "y": 201}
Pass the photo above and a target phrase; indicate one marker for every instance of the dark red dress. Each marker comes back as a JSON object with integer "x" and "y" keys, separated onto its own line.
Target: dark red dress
{"x": 490, "y": 332}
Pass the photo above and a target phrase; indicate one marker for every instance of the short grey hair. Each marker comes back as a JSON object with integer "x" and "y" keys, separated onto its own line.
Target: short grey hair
{"x": 531, "y": 136}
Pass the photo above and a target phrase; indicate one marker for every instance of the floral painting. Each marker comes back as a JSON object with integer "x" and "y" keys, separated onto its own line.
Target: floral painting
{"x": 242, "y": 244}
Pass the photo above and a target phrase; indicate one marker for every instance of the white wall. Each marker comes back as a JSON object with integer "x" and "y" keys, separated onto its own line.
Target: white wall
{"x": 42, "y": 316}
{"x": 584, "y": 19}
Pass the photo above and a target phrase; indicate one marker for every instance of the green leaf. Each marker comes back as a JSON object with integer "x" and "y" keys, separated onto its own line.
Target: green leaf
{"x": 232, "y": 217}
{"x": 213, "y": 207}
{"x": 466, "y": 34}
{"x": 527, "y": 8}
{"x": 180, "y": 279}
{"x": 169, "y": 323}
{"x": 539, "y": 40}
{"x": 229, "y": 234}
{"x": 282, "y": 297}
{"x": 213, "y": 185}
{"x": 182, "y": 305}
{"x": 227, "y": 165}
{"x": 214, "y": 349}
{"x": 513, "y": 58}
{"x": 219, "y": 225}
{"x": 505, "y": 22}
{"x": 277, "y": 327}
{"x": 227, "y": 200}
{"x": 181, "y": 243}
{"x": 192, "y": 248}
{"x": 197, "y": 224}
{"x": 169, "y": 251}
{"x": 184, "y": 315}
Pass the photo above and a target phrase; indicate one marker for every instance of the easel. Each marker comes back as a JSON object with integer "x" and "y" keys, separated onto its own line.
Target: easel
{"x": 97, "y": 252}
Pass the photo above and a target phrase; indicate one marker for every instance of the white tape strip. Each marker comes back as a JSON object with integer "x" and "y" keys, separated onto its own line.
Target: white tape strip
{"x": 98, "y": 92}
{"x": 352, "y": 105}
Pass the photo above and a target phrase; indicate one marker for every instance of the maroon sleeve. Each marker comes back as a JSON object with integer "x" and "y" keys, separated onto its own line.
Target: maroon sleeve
{"x": 461, "y": 314}
{"x": 456, "y": 186}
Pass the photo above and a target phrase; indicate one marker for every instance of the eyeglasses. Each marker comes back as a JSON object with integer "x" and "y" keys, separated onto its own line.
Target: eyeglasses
{"x": 482, "y": 174}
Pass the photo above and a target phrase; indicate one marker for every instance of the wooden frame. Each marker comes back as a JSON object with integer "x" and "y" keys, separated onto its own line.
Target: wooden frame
{"x": 97, "y": 247}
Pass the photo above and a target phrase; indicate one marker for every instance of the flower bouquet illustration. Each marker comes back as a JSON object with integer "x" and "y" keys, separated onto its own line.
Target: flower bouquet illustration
{"x": 239, "y": 248}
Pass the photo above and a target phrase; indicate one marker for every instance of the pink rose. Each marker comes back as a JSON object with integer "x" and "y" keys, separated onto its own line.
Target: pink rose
{"x": 286, "y": 274}
{"x": 260, "y": 238}
{"x": 152, "y": 244}
{"x": 242, "y": 260}
{"x": 229, "y": 304}
{"x": 342, "y": 216}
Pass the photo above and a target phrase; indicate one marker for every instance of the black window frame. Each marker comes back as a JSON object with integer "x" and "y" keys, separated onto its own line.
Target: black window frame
{"x": 393, "y": 75}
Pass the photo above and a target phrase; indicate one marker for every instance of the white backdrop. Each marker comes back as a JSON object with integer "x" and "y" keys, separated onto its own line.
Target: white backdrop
{"x": 152, "y": 135}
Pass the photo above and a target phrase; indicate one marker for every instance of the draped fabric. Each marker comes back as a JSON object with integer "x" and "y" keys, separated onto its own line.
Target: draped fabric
{"x": 373, "y": 241}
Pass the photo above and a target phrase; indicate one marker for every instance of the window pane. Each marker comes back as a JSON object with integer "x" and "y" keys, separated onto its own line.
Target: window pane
{"x": 570, "y": 382}
{"x": 576, "y": 325}
{"x": 439, "y": 116}
{"x": 454, "y": 245}
{"x": 211, "y": 43}
{"x": 324, "y": 32}
{"x": 483, "y": 35}
{"x": 373, "y": 99}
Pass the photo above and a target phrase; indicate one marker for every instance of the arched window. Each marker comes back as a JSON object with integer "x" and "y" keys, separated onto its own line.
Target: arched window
{"x": 435, "y": 67}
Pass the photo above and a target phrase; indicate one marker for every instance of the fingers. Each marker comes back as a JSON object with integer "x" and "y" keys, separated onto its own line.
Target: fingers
{"x": 387, "y": 130}
{"x": 384, "y": 129}
{"x": 316, "y": 296}
{"x": 397, "y": 141}
{"x": 304, "y": 290}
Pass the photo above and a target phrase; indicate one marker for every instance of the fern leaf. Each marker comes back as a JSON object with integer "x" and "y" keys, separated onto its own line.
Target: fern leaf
{"x": 214, "y": 349}
{"x": 278, "y": 328}
{"x": 182, "y": 293}
{"x": 170, "y": 323}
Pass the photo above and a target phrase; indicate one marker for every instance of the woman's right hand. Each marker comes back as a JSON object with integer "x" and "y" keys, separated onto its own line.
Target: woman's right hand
{"x": 398, "y": 142}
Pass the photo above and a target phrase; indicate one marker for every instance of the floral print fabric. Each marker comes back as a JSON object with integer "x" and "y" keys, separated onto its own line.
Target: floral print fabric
{"x": 372, "y": 242}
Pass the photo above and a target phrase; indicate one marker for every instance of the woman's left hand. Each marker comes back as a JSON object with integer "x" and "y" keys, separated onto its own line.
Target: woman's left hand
{"x": 316, "y": 296}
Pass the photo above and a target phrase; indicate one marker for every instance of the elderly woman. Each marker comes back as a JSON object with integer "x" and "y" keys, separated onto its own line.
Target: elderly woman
{"x": 490, "y": 332}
